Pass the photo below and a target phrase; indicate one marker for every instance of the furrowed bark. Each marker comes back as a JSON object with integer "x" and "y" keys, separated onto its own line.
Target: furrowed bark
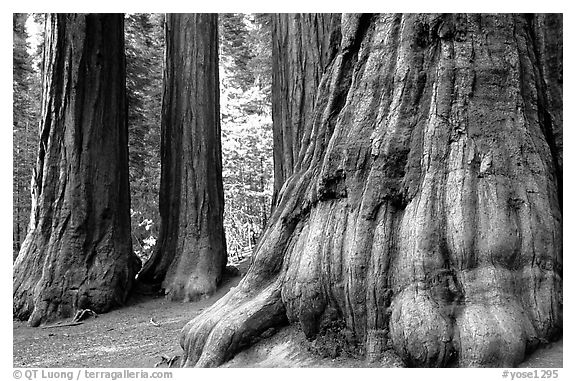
{"x": 191, "y": 253}
{"x": 302, "y": 46}
{"x": 78, "y": 251}
{"x": 425, "y": 208}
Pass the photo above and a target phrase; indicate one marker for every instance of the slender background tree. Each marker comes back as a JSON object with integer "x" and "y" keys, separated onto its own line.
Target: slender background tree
{"x": 26, "y": 110}
{"x": 144, "y": 61}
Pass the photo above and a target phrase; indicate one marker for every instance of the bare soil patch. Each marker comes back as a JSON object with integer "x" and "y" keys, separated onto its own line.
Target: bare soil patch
{"x": 121, "y": 338}
{"x": 127, "y": 338}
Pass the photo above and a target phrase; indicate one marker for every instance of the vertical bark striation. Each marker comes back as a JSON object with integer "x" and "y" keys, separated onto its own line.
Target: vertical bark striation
{"x": 302, "y": 46}
{"x": 191, "y": 253}
{"x": 546, "y": 37}
{"x": 78, "y": 252}
{"x": 425, "y": 210}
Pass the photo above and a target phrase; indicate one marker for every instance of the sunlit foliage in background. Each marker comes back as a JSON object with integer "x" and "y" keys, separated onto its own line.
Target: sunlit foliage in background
{"x": 245, "y": 88}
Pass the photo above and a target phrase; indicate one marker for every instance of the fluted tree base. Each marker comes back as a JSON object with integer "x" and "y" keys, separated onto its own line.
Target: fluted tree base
{"x": 424, "y": 212}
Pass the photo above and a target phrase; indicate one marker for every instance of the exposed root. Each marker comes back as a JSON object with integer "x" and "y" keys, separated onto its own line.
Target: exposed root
{"x": 231, "y": 324}
{"x": 63, "y": 325}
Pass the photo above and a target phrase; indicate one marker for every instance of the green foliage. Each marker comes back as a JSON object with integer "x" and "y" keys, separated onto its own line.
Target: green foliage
{"x": 245, "y": 80}
{"x": 26, "y": 112}
{"x": 144, "y": 39}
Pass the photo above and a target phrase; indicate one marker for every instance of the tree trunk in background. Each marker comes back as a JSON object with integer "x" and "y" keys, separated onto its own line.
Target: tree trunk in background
{"x": 302, "y": 46}
{"x": 26, "y": 110}
{"x": 21, "y": 66}
{"x": 78, "y": 252}
{"x": 547, "y": 38}
{"x": 425, "y": 212}
{"x": 191, "y": 253}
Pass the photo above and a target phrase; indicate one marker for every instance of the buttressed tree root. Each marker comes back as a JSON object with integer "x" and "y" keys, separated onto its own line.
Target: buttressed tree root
{"x": 424, "y": 210}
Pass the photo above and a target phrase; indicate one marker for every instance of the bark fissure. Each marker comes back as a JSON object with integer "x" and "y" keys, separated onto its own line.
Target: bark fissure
{"x": 544, "y": 88}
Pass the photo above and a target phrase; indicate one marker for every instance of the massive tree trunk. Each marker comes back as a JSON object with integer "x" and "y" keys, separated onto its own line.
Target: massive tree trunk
{"x": 302, "y": 47}
{"x": 78, "y": 252}
{"x": 425, "y": 211}
{"x": 191, "y": 253}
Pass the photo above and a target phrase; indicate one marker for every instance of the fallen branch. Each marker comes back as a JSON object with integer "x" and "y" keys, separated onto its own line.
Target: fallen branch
{"x": 63, "y": 325}
{"x": 78, "y": 319}
{"x": 84, "y": 314}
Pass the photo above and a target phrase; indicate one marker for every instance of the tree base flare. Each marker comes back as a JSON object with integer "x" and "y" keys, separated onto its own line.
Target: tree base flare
{"x": 424, "y": 208}
{"x": 210, "y": 340}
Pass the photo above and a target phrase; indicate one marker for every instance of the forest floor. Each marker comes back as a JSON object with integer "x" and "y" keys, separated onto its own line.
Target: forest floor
{"x": 127, "y": 338}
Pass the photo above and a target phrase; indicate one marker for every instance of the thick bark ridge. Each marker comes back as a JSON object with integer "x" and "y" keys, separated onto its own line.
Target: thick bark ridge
{"x": 425, "y": 208}
{"x": 78, "y": 251}
{"x": 191, "y": 253}
{"x": 302, "y": 46}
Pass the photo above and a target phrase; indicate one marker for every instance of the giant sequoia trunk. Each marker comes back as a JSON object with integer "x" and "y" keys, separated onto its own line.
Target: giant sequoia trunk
{"x": 78, "y": 252}
{"x": 302, "y": 46}
{"x": 191, "y": 253}
{"x": 425, "y": 208}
